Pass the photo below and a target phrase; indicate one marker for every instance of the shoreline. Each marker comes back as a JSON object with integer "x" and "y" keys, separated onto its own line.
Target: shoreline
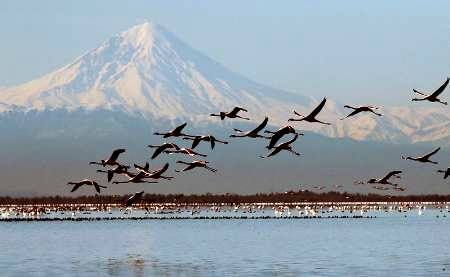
{"x": 79, "y": 219}
{"x": 211, "y": 211}
{"x": 227, "y": 204}
{"x": 300, "y": 197}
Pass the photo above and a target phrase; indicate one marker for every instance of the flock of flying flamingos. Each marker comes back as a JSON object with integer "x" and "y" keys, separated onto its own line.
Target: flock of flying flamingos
{"x": 144, "y": 174}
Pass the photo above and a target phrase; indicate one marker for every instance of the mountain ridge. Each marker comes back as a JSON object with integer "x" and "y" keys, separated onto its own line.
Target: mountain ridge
{"x": 147, "y": 72}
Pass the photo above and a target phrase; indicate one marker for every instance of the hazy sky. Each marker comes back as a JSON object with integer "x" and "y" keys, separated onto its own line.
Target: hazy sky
{"x": 357, "y": 51}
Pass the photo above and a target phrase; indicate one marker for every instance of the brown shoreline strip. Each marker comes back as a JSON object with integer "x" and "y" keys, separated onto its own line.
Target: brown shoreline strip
{"x": 179, "y": 218}
{"x": 302, "y": 196}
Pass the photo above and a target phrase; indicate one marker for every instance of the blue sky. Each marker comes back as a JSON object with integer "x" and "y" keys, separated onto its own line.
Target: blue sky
{"x": 354, "y": 51}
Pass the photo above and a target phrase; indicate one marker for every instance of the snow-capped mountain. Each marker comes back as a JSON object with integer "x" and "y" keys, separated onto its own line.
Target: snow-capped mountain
{"x": 147, "y": 72}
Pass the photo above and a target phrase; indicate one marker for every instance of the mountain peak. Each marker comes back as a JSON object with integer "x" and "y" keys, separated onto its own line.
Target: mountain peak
{"x": 144, "y": 70}
{"x": 147, "y": 71}
{"x": 142, "y": 35}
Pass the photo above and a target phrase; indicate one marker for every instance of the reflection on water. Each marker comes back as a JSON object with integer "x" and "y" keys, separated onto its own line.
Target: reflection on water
{"x": 410, "y": 246}
{"x": 132, "y": 265}
{"x": 136, "y": 265}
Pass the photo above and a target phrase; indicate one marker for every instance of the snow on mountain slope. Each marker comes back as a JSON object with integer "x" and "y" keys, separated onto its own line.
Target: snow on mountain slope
{"x": 146, "y": 71}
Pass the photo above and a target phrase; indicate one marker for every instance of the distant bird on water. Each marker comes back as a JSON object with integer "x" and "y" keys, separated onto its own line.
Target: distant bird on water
{"x": 446, "y": 172}
{"x": 357, "y": 110}
{"x": 385, "y": 179}
{"x": 253, "y": 133}
{"x": 423, "y": 159}
{"x": 312, "y": 116}
{"x": 134, "y": 198}
{"x": 163, "y": 147}
{"x": 85, "y": 182}
{"x": 194, "y": 164}
{"x": 212, "y": 140}
{"x": 434, "y": 96}
{"x": 112, "y": 160}
{"x": 177, "y": 132}
{"x": 283, "y": 146}
{"x": 277, "y": 135}
{"x": 232, "y": 114}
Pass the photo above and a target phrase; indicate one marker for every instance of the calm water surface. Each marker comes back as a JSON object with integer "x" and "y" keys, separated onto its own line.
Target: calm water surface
{"x": 390, "y": 245}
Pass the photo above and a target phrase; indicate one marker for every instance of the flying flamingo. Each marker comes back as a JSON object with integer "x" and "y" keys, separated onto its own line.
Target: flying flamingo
{"x": 357, "y": 110}
{"x": 434, "y": 96}
{"x": 312, "y": 116}
{"x": 146, "y": 167}
{"x": 212, "y": 140}
{"x": 135, "y": 178}
{"x": 185, "y": 151}
{"x": 194, "y": 164}
{"x": 253, "y": 133}
{"x": 157, "y": 174}
{"x": 446, "y": 172}
{"x": 232, "y": 114}
{"x": 277, "y": 135}
{"x": 385, "y": 179}
{"x": 163, "y": 147}
{"x": 85, "y": 182}
{"x": 423, "y": 159}
{"x": 177, "y": 132}
{"x": 283, "y": 146}
{"x": 112, "y": 160}
{"x": 120, "y": 169}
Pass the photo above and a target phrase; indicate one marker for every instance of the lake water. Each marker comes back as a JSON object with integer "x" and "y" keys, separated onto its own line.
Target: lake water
{"x": 388, "y": 245}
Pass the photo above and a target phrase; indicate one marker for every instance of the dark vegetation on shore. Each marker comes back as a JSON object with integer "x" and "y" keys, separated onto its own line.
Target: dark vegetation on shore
{"x": 285, "y": 197}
